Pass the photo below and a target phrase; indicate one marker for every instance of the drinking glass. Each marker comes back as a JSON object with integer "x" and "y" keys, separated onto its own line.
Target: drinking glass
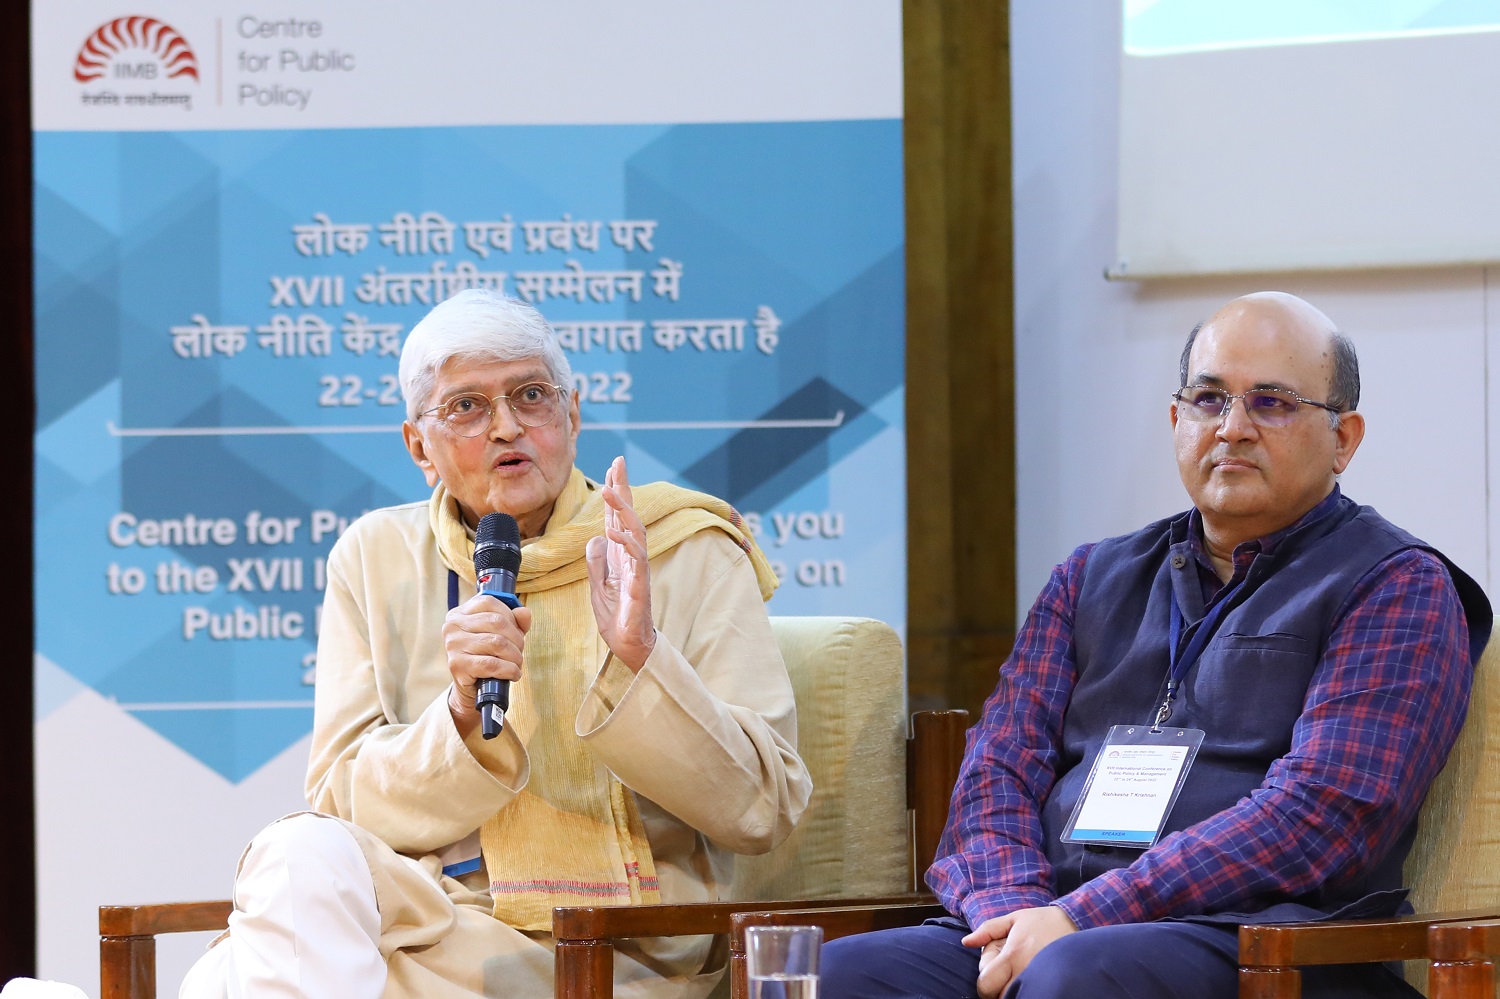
{"x": 782, "y": 961}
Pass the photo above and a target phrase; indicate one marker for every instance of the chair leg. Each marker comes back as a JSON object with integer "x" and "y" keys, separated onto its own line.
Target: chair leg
{"x": 127, "y": 967}
{"x": 585, "y": 969}
{"x": 1270, "y": 983}
{"x": 1461, "y": 980}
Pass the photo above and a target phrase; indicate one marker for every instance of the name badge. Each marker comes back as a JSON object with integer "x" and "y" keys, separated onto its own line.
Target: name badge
{"x": 1132, "y": 786}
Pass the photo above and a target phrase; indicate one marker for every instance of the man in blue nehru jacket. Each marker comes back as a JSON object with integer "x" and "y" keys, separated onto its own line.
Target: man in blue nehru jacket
{"x": 1232, "y": 715}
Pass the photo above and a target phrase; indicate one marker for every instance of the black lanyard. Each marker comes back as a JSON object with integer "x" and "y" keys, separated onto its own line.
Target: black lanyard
{"x": 453, "y": 589}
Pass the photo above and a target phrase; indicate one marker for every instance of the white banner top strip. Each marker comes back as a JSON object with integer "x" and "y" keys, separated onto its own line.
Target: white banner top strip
{"x": 190, "y": 65}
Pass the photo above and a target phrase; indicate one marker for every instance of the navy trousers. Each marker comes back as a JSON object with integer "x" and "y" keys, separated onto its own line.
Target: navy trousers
{"x": 1161, "y": 960}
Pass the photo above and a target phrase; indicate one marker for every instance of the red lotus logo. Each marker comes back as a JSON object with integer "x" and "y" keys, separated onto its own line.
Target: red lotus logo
{"x": 155, "y": 39}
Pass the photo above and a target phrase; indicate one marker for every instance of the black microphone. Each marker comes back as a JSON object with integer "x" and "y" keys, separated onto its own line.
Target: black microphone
{"x": 497, "y": 559}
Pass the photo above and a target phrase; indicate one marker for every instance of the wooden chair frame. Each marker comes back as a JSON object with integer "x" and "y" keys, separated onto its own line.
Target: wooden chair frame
{"x": 585, "y": 935}
{"x": 127, "y": 941}
{"x": 1461, "y": 945}
{"x": 1463, "y": 965}
{"x": 1270, "y": 955}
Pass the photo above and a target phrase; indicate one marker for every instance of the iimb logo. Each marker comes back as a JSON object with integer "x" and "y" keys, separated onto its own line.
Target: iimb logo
{"x": 140, "y": 55}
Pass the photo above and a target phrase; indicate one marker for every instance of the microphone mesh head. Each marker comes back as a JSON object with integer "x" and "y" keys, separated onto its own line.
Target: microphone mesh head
{"x": 497, "y": 544}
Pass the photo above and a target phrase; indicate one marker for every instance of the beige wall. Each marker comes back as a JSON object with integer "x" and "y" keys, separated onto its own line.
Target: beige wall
{"x": 1088, "y": 471}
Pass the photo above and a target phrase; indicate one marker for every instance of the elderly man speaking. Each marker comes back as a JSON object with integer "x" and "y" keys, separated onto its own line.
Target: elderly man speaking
{"x": 650, "y": 735}
{"x": 1231, "y": 715}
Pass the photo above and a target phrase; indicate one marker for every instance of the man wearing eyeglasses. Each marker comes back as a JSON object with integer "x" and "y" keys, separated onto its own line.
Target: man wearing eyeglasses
{"x": 651, "y": 731}
{"x": 1232, "y": 715}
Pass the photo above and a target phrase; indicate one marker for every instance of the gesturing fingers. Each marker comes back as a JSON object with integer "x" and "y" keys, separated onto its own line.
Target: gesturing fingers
{"x": 622, "y": 480}
{"x": 603, "y": 587}
{"x": 623, "y": 526}
{"x": 620, "y": 575}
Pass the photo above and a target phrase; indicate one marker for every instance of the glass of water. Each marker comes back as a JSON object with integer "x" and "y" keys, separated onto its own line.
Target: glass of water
{"x": 782, "y": 961}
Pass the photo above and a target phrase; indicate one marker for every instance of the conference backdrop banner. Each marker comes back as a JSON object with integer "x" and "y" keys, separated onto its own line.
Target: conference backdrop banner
{"x": 238, "y": 219}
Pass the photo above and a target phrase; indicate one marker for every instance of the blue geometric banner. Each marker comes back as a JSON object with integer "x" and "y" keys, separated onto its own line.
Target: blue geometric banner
{"x": 219, "y": 316}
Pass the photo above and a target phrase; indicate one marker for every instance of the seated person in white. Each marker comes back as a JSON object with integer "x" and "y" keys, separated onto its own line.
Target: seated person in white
{"x": 651, "y": 732}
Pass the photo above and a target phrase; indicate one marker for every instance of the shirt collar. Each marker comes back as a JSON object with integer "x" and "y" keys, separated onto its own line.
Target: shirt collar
{"x": 1267, "y": 544}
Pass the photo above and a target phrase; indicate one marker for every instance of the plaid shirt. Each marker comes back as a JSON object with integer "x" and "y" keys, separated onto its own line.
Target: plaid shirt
{"x": 1381, "y": 713}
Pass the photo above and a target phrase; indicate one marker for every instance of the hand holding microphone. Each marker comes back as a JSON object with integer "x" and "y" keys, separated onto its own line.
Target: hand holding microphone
{"x": 497, "y": 559}
{"x": 484, "y": 639}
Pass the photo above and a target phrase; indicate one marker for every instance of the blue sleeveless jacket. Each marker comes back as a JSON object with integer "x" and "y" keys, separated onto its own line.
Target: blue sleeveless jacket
{"x": 1247, "y": 689}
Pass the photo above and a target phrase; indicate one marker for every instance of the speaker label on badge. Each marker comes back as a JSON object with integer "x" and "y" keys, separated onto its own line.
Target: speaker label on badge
{"x": 1133, "y": 784}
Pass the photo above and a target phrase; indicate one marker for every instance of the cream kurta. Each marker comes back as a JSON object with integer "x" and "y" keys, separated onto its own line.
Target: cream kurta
{"x": 704, "y": 736}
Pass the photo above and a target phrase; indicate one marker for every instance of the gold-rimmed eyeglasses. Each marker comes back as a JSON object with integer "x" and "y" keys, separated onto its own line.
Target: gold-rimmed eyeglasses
{"x": 534, "y": 404}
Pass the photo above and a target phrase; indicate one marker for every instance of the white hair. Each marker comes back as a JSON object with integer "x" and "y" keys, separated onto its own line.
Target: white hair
{"x": 476, "y": 325}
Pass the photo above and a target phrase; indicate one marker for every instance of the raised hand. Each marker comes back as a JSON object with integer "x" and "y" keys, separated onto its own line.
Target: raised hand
{"x": 619, "y": 576}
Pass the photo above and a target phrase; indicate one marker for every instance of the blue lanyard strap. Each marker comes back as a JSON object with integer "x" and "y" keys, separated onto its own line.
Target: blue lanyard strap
{"x": 1181, "y": 660}
{"x": 453, "y": 590}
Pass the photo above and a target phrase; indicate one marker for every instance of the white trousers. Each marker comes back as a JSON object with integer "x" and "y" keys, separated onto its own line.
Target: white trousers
{"x": 305, "y": 922}
{"x": 325, "y": 910}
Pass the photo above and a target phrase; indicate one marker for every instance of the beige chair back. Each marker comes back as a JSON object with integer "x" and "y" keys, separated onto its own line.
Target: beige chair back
{"x": 1455, "y": 862}
{"x": 850, "y": 685}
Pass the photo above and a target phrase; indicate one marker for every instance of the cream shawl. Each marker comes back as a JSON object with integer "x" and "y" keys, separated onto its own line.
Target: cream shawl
{"x": 573, "y": 836}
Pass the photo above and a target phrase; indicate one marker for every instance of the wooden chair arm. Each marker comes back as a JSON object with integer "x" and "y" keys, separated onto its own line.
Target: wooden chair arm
{"x": 585, "y": 934}
{"x": 1462, "y": 960}
{"x": 589, "y": 922}
{"x": 163, "y": 917}
{"x": 1399, "y": 938}
{"x": 127, "y": 941}
{"x": 1464, "y": 941}
{"x": 838, "y": 921}
{"x": 1270, "y": 954}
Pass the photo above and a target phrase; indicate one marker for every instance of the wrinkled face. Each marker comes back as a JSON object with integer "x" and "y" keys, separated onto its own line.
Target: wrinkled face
{"x": 508, "y": 468}
{"x": 1246, "y": 480}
